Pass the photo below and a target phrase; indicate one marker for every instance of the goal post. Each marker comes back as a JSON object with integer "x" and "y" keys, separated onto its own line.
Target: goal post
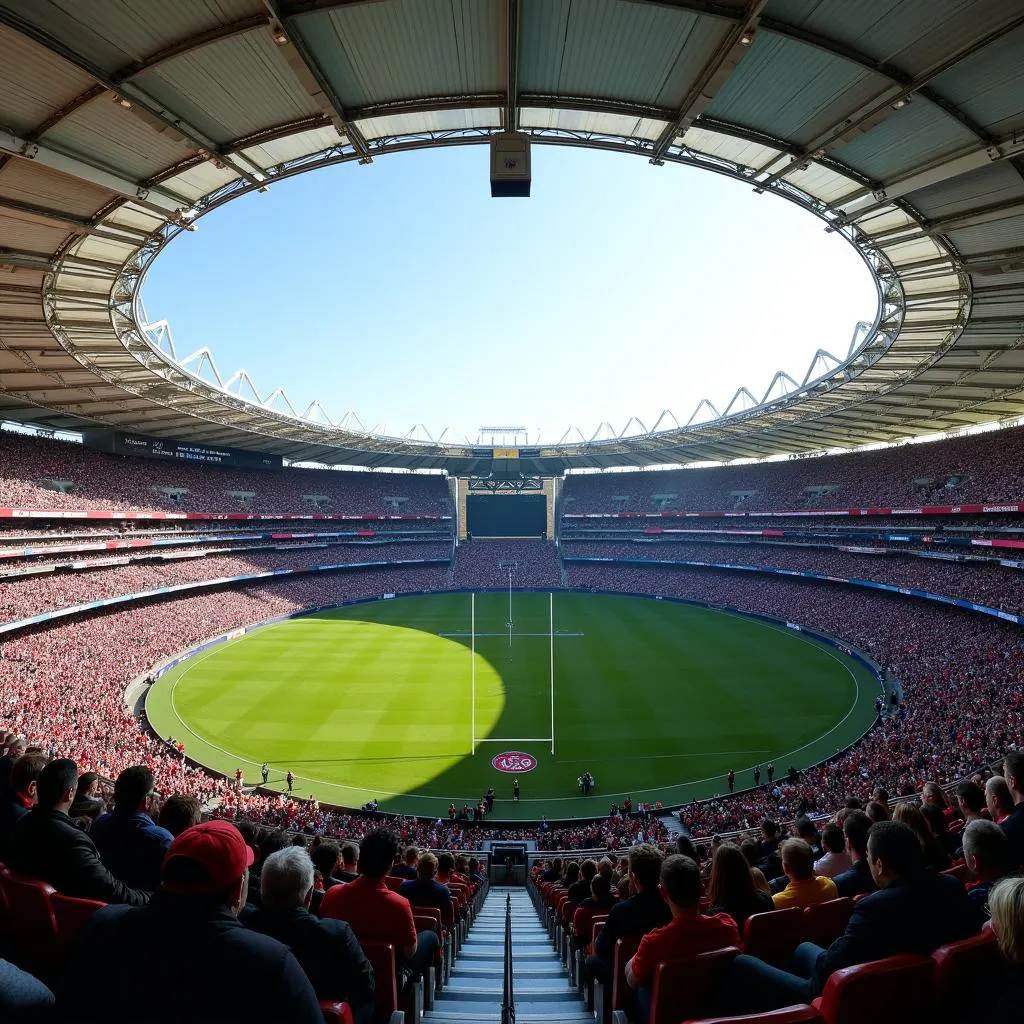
{"x": 551, "y": 623}
{"x": 472, "y": 673}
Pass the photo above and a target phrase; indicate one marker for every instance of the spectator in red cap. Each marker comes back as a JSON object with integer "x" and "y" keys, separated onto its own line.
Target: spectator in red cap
{"x": 189, "y": 932}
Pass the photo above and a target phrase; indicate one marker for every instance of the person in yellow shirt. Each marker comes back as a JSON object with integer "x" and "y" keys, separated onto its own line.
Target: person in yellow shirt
{"x": 805, "y": 888}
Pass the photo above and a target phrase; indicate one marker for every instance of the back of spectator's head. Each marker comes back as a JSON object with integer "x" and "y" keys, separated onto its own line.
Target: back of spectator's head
{"x": 24, "y": 778}
{"x": 180, "y": 812}
{"x": 749, "y": 850}
{"x": 600, "y": 886}
{"x": 1006, "y": 904}
{"x": 377, "y": 853}
{"x": 606, "y": 867}
{"x": 250, "y": 833}
{"x": 299, "y": 840}
{"x": 854, "y": 803}
{"x": 877, "y": 811}
{"x": 427, "y": 867}
{"x": 588, "y": 869}
{"x": 971, "y": 797}
{"x": 209, "y": 862}
{"x": 572, "y": 872}
{"x": 446, "y": 863}
{"x": 1013, "y": 772}
{"x": 797, "y": 858}
{"x": 271, "y": 842}
{"x": 932, "y": 814}
{"x": 880, "y": 795}
{"x": 87, "y": 781}
{"x": 832, "y": 839}
{"x": 57, "y": 783}
{"x": 286, "y": 881}
{"x": 325, "y": 858}
{"x": 645, "y": 865}
{"x": 133, "y": 789}
{"x": 804, "y": 828}
{"x": 680, "y": 881}
{"x": 411, "y": 856}
{"x": 856, "y": 828}
{"x": 349, "y": 856}
{"x": 474, "y": 865}
{"x": 769, "y": 828}
{"x": 998, "y": 797}
{"x": 685, "y": 846}
{"x": 986, "y": 849}
{"x": 894, "y": 852}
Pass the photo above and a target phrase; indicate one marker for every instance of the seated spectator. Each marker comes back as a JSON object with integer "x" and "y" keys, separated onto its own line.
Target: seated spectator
{"x": 326, "y": 950}
{"x": 769, "y": 859}
{"x": 349, "y": 861}
{"x": 474, "y": 871}
{"x": 803, "y": 828}
{"x": 970, "y": 798}
{"x": 46, "y": 844}
{"x": 88, "y": 803}
{"x": 1013, "y": 826}
{"x": 749, "y": 850}
{"x": 327, "y": 859}
{"x": 24, "y": 999}
{"x": 804, "y": 888}
{"x": 690, "y": 932}
{"x": 423, "y": 890}
{"x": 21, "y": 796}
{"x": 998, "y": 799}
{"x": 644, "y": 911}
{"x": 932, "y": 795}
{"x": 877, "y": 811}
{"x": 731, "y": 889}
{"x": 580, "y": 889}
{"x": 15, "y": 747}
{"x": 858, "y": 879}
{"x": 553, "y": 872}
{"x": 190, "y": 932}
{"x": 407, "y": 868}
{"x": 835, "y": 860}
{"x": 914, "y": 911}
{"x": 179, "y": 813}
{"x": 130, "y": 843}
{"x": 935, "y": 857}
{"x": 446, "y": 869}
{"x": 1006, "y": 902}
{"x": 987, "y": 856}
{"x": 374, "y": 911}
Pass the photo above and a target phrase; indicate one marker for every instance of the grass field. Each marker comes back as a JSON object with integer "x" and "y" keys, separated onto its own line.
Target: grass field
{"x": 658, "y": 699}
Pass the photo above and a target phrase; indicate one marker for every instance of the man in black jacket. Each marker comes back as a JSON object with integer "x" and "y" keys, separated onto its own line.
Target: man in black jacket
{"x": 914, "y": 911}
{"x": 1013, "y": 826}
{"x": 220, "y": 971}
{"x": 20, "y": 798}
{"x": 47, "y": 844}
{"x": 644, "y": 911}
{"x": 856, "y": 826}
{"x": 327, "y": 950}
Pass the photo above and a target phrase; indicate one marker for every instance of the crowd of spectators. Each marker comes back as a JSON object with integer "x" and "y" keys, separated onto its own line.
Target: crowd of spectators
{"x": 976, "y": 468}
{"x": 478, "y": 564}
{"x": 29, "y": 466}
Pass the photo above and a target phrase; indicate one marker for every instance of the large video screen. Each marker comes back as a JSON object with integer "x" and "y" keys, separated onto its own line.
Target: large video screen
{"x": 496, "y": 515}
{"x": 119, "y": 443}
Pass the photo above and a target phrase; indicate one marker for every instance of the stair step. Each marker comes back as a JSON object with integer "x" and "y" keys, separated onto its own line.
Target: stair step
{"x": 495, "y": 969}
{"x": 525, "y": 993}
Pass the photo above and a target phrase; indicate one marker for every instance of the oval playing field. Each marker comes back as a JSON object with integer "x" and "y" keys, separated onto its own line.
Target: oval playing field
{"x": 657, "y": 699}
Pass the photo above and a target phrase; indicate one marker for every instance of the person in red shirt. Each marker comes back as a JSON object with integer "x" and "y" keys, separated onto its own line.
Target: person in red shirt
{"x": 374, "y": 911}
{"x": 688, "y": 933}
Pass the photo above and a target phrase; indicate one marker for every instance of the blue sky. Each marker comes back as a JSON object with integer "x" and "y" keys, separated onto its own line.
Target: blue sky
{"x": 403, "y": 292}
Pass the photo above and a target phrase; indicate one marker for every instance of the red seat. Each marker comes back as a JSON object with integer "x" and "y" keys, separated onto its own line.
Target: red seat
{"x": 394, "y": 884}
{"x": 825, "y": 922}
{"x": 681, "y": 988}
{"x": 801, "y": 1014}
{"x": 891, "y": 991}
{"x": 30, "y": 924}
{"x": 773, "y": 935}
{"x": 622, "y": 996}
{"x": 962, "y": 970}
{"x": 335, "y": 1013}
{"x": 69, "y": 914}
{"x": 382, "y": 959}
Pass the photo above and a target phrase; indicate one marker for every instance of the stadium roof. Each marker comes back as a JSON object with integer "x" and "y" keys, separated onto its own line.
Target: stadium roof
{"x": 898, "y": 122}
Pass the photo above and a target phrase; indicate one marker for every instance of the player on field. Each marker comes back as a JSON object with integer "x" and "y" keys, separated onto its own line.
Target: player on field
{"x": 265, "y": 772}
{"x": 515, "y": 790}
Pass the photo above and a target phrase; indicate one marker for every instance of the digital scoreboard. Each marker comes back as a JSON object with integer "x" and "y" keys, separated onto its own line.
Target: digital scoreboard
{"x": 118, "y": 443}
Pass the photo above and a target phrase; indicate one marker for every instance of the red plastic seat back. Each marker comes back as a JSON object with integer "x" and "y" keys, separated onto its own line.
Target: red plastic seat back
{"x": 800, "y": 1014}
{"x": 30, "y": 921}
{"x": 335, "y": 1013}
{"x": 891, "y": 991}
{"x": 431, "y": 918}
{"x": 622, "y": 994}
{"x": 382, "y": 959}
{"x": 773, "y": 935}
{"x": 962, "y": 970}
{"x": 393, "y": 883}
{"x": 825, "y": 922}
{"x": 681, "y": 988}
{"x": 69, "y": 914}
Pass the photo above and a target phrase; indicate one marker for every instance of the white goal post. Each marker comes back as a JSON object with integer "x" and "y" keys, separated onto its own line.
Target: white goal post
{"x": 474, "y": 740}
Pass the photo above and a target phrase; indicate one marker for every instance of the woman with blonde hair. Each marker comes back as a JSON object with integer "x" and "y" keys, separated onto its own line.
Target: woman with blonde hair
{"x": 935, "y": 857}
{"x": 1006, "y": 902}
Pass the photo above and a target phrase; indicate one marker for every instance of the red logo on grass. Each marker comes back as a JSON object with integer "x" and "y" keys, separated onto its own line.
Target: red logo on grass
{"x": 514, "y": 762}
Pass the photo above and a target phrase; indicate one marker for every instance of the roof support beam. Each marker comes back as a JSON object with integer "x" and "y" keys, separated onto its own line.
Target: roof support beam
{"x": 731, "y": 50}
{"x": 511, "y": 120}
{"x": 311, "y": 76}
{"x": 864, "y": 118}
{"x": 966, "y": 219}
{"x": 80, "y": 225}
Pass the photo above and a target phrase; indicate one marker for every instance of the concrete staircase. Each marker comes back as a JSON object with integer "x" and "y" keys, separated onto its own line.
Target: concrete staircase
{"x": 540, "y": 985}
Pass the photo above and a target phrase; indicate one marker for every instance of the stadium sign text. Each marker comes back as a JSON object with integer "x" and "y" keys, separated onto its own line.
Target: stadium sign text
{"x": 514, "y": 762}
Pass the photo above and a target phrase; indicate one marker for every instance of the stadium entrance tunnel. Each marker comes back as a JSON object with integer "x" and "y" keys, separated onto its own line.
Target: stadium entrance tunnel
{"x": 658, "y": 699}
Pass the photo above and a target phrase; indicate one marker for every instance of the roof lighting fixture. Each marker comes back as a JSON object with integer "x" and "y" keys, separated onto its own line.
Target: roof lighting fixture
{"x": 122, "y": 102}
{"x": 280, "y": 36}
{"x": 900, "y": 103}
{"x": 747, "y": 38}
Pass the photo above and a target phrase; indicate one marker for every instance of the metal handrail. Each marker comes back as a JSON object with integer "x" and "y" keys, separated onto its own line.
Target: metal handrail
{"x": 508, "y": 1005}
